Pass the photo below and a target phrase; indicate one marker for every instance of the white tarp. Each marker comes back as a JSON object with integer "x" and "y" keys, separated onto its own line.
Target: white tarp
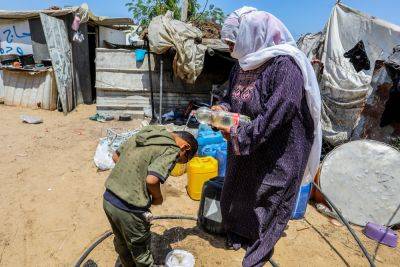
{"x": 343, "y": 90}
{"x": 311, "y": 44}
{"x": 15, "y": 37}
{"x": 166, "y": 33}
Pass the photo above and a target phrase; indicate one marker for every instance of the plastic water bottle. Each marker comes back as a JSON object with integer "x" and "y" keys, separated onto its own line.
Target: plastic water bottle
{"x": 203, "y": 115}
{"x": 219, "y": 118}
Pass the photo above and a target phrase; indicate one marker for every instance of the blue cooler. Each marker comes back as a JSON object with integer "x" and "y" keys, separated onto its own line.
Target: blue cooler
{"x": 301, "y": 202}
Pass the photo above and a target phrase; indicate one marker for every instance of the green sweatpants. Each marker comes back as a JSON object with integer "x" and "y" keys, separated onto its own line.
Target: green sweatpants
{"x": 132, "y": 237}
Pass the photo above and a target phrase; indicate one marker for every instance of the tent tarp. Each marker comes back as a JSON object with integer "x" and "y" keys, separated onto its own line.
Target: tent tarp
{"x": 344, "y": 90}
{"x": 166, "y": 33}
{"x": 311, "y": 44}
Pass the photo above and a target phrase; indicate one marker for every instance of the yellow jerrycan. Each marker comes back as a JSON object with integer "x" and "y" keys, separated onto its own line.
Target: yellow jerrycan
{"x": 199, "y": 171}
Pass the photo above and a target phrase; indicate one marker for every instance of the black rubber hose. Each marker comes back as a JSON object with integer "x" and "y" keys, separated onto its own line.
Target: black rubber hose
{"x": 360, "y": 244}
{"x": 109, "y": 233}
{"x": 175, "y": 217}
{"x": 273, "y": 263}
{"x": 92, "y": 246}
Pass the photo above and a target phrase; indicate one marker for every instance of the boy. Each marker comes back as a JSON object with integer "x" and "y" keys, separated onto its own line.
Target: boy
{"x": 142, "y": 163}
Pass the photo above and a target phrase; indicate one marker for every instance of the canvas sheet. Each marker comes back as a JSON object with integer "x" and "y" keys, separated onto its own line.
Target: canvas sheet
{"x": 166, "y": 33}
{"x": 344, "y": 90}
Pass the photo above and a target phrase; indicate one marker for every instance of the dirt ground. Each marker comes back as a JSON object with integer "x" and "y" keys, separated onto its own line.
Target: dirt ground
{"x": 51, "y": 204}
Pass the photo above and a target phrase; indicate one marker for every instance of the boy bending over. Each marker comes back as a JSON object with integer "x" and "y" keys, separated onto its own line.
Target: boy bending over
{"x": 142, "y": 163}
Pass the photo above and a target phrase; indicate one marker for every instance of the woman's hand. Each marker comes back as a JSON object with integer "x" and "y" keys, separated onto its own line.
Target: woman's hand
{"x": 225, "y": 130}
{"x": 217, "y": 108}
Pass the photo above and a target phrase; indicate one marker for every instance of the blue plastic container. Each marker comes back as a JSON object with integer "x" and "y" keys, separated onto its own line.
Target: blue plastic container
{"x": 301, "y": 202}
{"x": 209, "y": 150}
{"x": 140, "y": 54}
{"x": 212, "y": 150}
{"x": 219, "y": 152}
{"x": 222, "y": 157}
{"x": 208, "y": 137}
{"x": 204, "y": 128}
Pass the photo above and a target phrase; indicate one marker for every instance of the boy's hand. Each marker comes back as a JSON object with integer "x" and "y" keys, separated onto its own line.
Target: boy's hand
{"x": 115, "y": 157}
{"x": 157, "y": 201}
{"x": 153, "y": 186}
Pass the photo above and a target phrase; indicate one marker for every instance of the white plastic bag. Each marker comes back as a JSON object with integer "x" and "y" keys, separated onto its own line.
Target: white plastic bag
{"x": 103, "y": 156}
{"x": 78, "y": 37}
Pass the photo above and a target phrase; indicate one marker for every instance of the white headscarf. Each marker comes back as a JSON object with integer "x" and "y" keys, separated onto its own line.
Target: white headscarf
{"x": 230, "y": 28}
{"x": 260, "y": 36}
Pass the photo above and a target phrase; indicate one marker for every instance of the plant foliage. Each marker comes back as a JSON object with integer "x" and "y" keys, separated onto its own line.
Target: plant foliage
{"x": 144, "y": 10}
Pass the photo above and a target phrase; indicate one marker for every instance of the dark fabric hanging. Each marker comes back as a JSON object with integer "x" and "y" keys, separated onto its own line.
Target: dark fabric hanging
{"x": 358, "y": 57}
{"x": 391, "y": 113}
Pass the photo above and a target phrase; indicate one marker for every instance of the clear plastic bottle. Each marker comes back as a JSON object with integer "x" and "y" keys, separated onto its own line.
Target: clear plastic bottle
{"x": 219, "y": 118}
{"x": 203, "y": 115}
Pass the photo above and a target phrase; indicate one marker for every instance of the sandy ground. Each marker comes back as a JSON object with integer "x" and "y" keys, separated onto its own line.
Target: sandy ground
{"x": 51, "y": 204}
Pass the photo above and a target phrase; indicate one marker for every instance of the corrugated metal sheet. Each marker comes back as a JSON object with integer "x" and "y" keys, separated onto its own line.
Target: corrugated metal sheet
{"x": 111, "y": 36}
{"x": 7, "y": 14}
{"x": 119, "y": 83}
{"x": 123, "y": 86}
{"x": 1, "y": 85}
{"x": 59, "y": 47}
{"x": 368, "y": 125}
{"x": 28, "y": 89}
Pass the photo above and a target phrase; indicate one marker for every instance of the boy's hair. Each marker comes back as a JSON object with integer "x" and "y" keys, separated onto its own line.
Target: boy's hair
{"x": 191, "y": 140}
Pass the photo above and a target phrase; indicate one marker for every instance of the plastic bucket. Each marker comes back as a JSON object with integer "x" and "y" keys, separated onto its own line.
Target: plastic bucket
{"x": 301, "y": 202}
{"x": 179, "y": 258}
{"x": 140, "y": 55}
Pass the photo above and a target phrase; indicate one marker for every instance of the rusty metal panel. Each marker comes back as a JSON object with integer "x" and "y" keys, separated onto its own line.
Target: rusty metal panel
{"x": 61, "y": 57}
{"x": 368, "y": 125}
{"x": 123, "y": 85}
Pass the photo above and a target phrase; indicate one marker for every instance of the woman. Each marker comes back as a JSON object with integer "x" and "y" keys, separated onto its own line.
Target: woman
{"x": 275, "y": 85}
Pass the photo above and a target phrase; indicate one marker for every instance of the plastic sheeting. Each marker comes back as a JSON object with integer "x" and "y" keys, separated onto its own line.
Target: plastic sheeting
{"x": 344, "y": 90}
{"x": 311, "y": 44}
{"x": 166, "y": 33}
{"x": 108, "y": 145}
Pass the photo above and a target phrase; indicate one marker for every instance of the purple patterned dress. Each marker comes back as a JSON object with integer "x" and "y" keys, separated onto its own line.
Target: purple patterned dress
{"x": 267, "y": 156}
